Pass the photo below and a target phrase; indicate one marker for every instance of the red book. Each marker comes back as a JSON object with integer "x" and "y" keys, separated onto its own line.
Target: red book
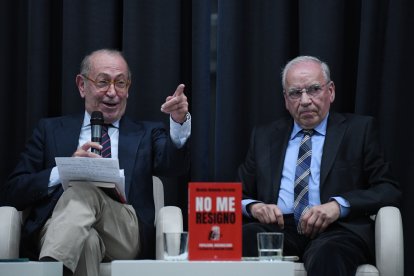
{"x": 215, "y": 221}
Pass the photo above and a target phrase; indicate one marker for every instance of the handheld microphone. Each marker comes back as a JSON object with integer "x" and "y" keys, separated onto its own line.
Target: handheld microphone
{"x": 97, "y": 121}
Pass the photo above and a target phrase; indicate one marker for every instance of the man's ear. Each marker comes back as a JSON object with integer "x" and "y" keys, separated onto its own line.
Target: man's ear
{"x": 332, "y": 91}
{"x": 286, "y": 101}
{"x": 80, "y": 83}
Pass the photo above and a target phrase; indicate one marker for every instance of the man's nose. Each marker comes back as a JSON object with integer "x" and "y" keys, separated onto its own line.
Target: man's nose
{"x": 305, "y": 98}
{"x": 111, "y": 90}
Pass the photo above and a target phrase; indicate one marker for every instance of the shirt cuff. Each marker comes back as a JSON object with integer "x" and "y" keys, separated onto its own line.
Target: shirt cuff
{"x": 54, "y": 178}
{"x": 344, "y": 205}
{"x": 246, "y": 202}
{"x": 180, "y": 132}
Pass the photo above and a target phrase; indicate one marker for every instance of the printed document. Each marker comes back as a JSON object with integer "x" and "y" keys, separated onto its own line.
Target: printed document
{"x": 106, "y": 170}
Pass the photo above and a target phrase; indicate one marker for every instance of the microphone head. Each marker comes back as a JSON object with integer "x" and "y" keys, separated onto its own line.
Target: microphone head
{"x": 97, "y": 118}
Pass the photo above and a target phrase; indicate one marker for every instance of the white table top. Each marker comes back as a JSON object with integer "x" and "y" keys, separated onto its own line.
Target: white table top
{"x": 201, "y": 268}
{"x": 31, "y": 268}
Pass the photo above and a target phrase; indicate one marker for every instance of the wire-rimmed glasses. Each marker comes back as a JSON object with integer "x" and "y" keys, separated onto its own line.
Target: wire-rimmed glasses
{"x": 103, "y": 84}
{"x": 312, "y": 91}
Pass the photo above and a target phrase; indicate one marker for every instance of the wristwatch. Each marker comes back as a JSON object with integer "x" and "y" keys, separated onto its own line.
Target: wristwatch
{"x": 187, "y": 117}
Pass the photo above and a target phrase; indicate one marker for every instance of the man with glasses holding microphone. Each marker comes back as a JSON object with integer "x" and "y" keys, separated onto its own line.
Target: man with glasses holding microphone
{"x": 316, "y": 176}
{"x": 82, "y": 225}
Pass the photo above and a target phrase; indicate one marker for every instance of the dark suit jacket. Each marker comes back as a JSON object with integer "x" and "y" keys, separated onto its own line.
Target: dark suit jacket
{"x": 145, "y": 149}
{"x": 352, "y": 166}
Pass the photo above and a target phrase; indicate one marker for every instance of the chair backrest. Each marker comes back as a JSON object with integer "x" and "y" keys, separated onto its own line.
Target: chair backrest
{"x": 10, "y": 222}
{"x": 158, "y": 190}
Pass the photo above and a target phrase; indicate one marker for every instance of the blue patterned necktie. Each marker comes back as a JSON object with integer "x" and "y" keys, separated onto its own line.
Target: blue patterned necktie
{"x": 301, "y": 202}
{"x": 106, "y": 142}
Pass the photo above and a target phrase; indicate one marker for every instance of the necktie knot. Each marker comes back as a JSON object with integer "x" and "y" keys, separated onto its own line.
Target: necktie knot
{"x": 105, "y": 127}
{"x": 308, "y": 132}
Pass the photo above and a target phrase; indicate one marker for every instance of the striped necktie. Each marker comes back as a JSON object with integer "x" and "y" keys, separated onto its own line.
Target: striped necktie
{"x": 301, "y": 202}
{"x": 106, "y": 142}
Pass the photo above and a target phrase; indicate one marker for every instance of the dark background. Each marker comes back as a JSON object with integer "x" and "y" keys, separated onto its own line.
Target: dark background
{"x": 229, "y": 53}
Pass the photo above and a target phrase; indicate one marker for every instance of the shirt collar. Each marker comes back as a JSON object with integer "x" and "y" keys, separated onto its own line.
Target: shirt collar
{"x": 87, "y": 121}
{"x": 319, "y": 129}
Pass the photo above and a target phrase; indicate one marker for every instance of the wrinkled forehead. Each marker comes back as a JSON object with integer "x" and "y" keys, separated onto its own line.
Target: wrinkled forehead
{"x": 108, "y": 64}
{"x": 304, "y": 73}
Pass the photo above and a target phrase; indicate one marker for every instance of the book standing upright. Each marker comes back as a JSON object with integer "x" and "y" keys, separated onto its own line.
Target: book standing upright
{"x": 215, "y": 221}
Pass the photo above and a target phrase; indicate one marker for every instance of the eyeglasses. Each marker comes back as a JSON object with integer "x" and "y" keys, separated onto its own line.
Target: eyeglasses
{"x": 312, "y": 91}
{"x": 104, "y": 84}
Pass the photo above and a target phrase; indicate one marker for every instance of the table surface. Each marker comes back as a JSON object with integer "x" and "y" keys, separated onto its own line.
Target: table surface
{"x": 31, "y": 268}
{"x": 201, "y": 268}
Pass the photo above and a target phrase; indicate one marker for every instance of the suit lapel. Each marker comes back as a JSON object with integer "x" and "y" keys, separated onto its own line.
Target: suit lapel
{"x": 334, "y": 136}
{"x": 278, "y": 141}
{"x": 67, "y": 134}
{"x": 130, "y": 136}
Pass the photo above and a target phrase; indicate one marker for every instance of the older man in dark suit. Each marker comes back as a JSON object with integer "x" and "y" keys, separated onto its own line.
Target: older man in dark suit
{"x": 83, "y": 226}
{"x": 316, "y": 176}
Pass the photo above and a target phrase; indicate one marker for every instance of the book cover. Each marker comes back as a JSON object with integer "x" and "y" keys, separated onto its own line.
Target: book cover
{"x": 214, "y": 221}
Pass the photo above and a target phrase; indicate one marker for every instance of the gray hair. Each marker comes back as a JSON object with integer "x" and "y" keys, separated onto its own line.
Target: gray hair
{"x": 85, "y": 66}
{"x": 325, "y": 68}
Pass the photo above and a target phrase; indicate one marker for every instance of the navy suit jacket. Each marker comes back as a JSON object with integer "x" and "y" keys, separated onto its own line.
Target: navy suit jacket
{"x": 352, "y": 167}
{"x": 145, "y": 149}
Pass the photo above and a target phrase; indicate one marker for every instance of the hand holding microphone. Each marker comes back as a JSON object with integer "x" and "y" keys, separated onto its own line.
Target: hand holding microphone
{"x": 97, "y": 122}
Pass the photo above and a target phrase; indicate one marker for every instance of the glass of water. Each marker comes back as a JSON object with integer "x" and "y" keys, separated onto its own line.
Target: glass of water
{"x": 176, "y": 246}
{"x": 270, "y": 246}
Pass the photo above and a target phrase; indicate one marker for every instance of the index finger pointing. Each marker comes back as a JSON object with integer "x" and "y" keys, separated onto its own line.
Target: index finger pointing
{"x": 179, "y": 91}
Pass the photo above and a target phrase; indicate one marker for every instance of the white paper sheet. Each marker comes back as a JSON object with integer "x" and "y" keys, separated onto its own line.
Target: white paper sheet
{"x": 90, "y": 169}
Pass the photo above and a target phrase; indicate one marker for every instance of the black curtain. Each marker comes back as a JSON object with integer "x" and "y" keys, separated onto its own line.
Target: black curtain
{"x": 229, "y": 53}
